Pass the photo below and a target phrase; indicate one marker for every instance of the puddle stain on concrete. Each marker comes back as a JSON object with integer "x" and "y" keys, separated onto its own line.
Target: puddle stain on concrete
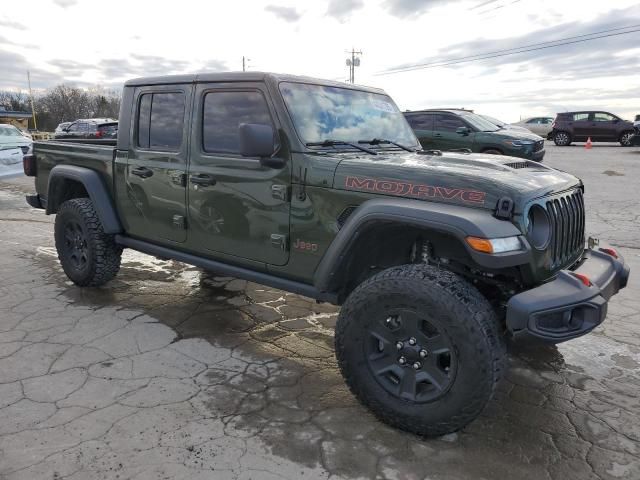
{"x": 280, "y": 384}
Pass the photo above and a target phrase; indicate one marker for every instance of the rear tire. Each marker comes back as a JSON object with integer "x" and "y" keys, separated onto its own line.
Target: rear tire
{"x": 420, "y": 314}
{"x": 88, "y": 256}
{"x": 562, "y": 139}
{"x": 625, "y": 138}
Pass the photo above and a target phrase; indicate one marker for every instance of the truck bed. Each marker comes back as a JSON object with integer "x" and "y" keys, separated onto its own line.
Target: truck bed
{"x": 95, "y": 154}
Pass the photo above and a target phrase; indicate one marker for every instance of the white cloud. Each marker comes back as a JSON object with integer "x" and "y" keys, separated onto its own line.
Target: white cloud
{"x": 79, "y": 44}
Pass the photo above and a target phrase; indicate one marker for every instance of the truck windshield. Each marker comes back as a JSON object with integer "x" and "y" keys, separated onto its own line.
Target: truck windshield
{"x": 321, "y": 112}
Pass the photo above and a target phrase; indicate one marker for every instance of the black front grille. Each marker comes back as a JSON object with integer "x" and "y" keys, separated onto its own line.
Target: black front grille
{"x": 566, "y": 215}
{"x": 25, "y": 150}
{"x": 538, "y": 146}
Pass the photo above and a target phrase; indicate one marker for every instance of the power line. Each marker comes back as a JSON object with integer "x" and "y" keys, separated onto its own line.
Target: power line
{"x": 513, "y": 51}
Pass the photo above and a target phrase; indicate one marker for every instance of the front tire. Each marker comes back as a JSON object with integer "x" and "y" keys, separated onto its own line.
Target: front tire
{"x": 562, "y": 139}
{"x": 88, "y": 256}
{"x": 421, "y": 348}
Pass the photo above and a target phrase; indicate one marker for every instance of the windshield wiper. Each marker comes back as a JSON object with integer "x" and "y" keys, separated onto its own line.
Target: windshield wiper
{"x": 333, "y": 143}
{"x": 381, "y": 141}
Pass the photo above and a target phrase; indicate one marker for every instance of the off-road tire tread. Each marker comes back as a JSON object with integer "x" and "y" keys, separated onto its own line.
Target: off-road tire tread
{"x": 480, "y": 320}
{"x": 106, "y": 252}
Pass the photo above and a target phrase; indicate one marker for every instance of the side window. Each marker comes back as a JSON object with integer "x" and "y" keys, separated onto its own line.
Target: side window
{"x": 546, "y": 120}
{"x": 533, "y": 121}
{"x": 448, "y": 123}
{"x": 602, "y": 117}
{"x": 580, "y": 117}
{"x": 74, "y": 127}
{"x": 224, "y": 112}
{"x": 160, "y": 121}
{"x": 420, "y": 121}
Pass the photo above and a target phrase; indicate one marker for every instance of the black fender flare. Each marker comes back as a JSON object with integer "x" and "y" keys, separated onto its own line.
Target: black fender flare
{"x": 457, "y": 220}
{"x": 95, "y": 187}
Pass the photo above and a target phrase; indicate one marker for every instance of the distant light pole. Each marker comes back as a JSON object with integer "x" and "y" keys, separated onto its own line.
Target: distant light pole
{"x": 245, "y": 63}
{"x": 33, "y": 108}
{"x": 352, "y": 63}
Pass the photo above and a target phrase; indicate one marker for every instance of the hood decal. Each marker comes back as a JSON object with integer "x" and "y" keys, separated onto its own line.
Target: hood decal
{"x": 414, "y": 190}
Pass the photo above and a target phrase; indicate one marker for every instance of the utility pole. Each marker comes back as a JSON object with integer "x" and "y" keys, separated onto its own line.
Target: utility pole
{"x": 352, "y": 63}
{"x": 245, "y": 63}
{"x": 33, "y": 108}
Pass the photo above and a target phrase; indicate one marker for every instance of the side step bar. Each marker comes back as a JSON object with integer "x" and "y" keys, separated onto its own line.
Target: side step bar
{"x": 226, "y": 269}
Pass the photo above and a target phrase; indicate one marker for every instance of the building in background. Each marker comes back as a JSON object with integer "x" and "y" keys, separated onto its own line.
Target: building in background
{"x": 18, "y": 119}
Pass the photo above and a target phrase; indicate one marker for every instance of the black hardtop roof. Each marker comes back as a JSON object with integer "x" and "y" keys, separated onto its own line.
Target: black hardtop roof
{"x": 242, "y": 77}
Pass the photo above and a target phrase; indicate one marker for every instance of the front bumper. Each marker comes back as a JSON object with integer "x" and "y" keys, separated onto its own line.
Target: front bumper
{"x": 635, "y": 140}
{"x": 566, "y": 308}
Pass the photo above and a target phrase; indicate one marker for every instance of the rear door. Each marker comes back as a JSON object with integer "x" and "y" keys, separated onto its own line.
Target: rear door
{"x": 238, "y": 209}
{"x": 445, "y": 136}
{"x": 157, "y": 163}
{"x": 581, "y": 126}
{"x": 422, "y": 125}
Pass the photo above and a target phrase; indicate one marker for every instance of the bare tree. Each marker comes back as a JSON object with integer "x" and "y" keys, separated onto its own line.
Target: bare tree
{"x": 15, "y": 101}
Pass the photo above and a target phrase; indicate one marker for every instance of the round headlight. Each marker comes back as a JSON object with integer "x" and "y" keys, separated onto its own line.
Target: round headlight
{"x": 538, "y": 227}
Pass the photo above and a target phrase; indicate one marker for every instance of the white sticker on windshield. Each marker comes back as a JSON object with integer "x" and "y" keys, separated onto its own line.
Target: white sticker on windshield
{"x": 384, "y": 106}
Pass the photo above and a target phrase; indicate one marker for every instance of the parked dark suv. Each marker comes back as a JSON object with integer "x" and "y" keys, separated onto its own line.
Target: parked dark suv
{"x": 599, "y": 126}
{"x": 90, "y": 128}
{"x": 453, "y": 129}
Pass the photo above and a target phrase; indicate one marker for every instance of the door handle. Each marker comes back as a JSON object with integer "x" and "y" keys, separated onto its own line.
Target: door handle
{"x": 203, "y": 180}
{"x": 437, "y": 135}
{"x": 142, "y": 172}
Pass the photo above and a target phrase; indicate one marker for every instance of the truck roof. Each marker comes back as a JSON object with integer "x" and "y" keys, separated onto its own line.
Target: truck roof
{"x": 242, "y": 77}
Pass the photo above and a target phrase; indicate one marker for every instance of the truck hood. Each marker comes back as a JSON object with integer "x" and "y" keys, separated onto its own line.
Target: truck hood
{"x": 475, "y": 180}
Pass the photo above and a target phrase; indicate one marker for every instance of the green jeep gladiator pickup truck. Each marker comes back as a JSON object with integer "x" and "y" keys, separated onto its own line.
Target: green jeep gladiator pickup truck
{"x": 321, "y": 188}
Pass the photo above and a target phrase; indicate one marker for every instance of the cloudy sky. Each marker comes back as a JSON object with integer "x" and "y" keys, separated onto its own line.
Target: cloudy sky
{"x": 90, "y": 43}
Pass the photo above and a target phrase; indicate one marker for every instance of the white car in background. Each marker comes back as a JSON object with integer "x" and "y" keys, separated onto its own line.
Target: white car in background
{"x": 11, "y": 138}
{"x": 539, "y": 125}
{"x": 504, "y": 125}
{"x": 10, "y": 157}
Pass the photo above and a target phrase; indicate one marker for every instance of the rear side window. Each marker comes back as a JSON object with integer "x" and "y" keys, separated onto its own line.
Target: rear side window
{"x": 224, "y": 112}
{"x": 578, "y": 117}
{"x": 160, "y": 121}
{"x": 448, "y": 123}
{"x": 421, "y": 121}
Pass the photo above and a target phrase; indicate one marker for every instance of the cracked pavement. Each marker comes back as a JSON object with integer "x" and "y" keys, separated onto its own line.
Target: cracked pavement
{"x": 170, "y": 372}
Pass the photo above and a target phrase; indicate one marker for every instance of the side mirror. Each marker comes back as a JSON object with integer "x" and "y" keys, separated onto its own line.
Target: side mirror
{"x": 463, "y": 131}
{"x": 258, "y": 140}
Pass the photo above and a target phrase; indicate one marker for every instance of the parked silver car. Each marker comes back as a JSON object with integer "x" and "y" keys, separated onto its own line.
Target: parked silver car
{"x": 539, "y": 125}
{"x": 504, "y": 125}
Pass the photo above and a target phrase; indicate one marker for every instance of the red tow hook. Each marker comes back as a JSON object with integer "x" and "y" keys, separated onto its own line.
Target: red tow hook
{"x": 609, "y": 251}
{"x": 583, "y": 278}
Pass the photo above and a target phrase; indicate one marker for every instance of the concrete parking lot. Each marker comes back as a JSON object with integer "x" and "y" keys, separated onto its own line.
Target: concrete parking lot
{"x": 169, "y": 372}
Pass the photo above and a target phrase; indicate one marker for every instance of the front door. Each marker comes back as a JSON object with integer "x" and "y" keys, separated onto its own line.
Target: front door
{"x": 238, "y": 209}
{"x": 157, "y": 163}
{"x": 445, "y": 136}
{"x": 603, "y": 126}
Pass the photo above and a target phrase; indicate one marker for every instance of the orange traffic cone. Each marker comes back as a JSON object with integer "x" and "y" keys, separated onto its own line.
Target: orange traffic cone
{"x": 588, "y": 145}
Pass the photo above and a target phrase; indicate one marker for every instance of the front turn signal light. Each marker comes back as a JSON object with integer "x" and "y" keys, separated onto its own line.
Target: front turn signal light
{"x": 494, "y": 245}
